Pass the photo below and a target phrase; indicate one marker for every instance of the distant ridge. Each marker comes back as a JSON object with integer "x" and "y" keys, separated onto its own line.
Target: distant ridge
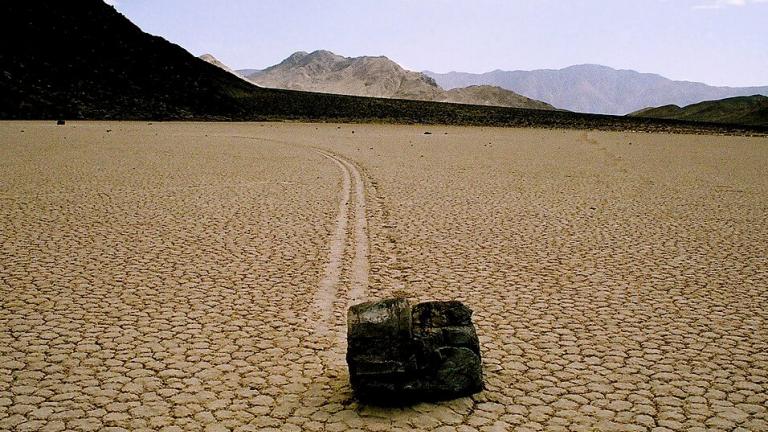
{"x": 214, "y": 61}
{"x": 325, "y": 72}
{"x": 492, "y": 96}
{"x": 246, "y": 72}
{"x": 595, "y": 88}
{"x": 741, "y": 110}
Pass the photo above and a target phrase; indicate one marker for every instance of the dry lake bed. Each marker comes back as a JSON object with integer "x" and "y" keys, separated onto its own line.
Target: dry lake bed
{"x": 196, "y": 276}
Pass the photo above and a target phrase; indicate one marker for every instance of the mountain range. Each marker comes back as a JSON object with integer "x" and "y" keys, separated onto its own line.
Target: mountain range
{"x": 84, "y": 60}
{"x": 325, "y": 72}
{"x": 595, "y": 88}
{"x": 746, "y": 110}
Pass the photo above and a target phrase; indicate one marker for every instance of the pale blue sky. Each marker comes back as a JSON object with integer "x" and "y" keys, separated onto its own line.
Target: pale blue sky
{"x": 720, "y": 42}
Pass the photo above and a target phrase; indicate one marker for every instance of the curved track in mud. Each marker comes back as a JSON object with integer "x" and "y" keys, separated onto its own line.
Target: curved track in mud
{"x": 336, "y": 293}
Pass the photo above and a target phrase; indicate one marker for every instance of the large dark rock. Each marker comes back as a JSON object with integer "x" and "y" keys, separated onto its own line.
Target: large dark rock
{"x": 447, "y": 348}
{"x": 398, "y": 353}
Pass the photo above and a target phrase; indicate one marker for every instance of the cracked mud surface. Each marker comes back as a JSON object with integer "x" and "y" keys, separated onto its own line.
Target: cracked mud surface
{"x": 190, "y": 276}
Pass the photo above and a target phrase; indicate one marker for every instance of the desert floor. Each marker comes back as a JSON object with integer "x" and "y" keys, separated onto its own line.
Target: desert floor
{"x": 192, "y": 276}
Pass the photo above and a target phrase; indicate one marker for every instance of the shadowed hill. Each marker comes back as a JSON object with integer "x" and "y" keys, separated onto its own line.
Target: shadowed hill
{"x": 84, "y": 60}
{"x": 745, "y": 110}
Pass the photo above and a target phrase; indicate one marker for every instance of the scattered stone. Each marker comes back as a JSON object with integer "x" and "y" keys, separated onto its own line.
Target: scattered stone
{"x": 427, "y": 133}
{"x": 398, "y": 353}
{"x": 60, "y": 122}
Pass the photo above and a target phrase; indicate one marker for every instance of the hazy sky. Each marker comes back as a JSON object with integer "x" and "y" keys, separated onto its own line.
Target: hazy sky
{"x": 720, "y": 42}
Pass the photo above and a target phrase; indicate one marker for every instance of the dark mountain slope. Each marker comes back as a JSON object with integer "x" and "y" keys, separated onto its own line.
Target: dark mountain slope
{"x": 743, "y": 110}
{"x": 83, "y": 59}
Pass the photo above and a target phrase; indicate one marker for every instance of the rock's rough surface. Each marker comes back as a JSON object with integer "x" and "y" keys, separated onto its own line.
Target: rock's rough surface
{"x": 398, "y": 353}
{"x": 448, "y": 351}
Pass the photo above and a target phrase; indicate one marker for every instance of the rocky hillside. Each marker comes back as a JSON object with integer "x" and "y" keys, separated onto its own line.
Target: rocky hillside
{"x": 326, "y": 72}
{"x": 744, "y": 110}
{"x": 595, "y": 88}
{"x": 492, "y": 96}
